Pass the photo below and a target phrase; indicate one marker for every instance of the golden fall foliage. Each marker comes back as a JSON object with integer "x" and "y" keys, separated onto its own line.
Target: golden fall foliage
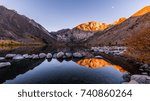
{"x": 139, "y": 46}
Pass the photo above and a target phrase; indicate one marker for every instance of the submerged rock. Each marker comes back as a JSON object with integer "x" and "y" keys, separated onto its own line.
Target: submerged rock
{"x": 60, "y": 55}
{"x": 68, "y": 55}
{"x": 10, "y": 56}
{"x": 4, "y": 64}
{"x": 49, "y": 56}
{"x": 42, "y": 55}
{"x": 77, "y": 55}
{"x": 18, "y": 57}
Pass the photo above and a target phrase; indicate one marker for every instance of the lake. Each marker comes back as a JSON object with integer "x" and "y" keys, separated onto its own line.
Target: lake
{"x": 62, "y": 71}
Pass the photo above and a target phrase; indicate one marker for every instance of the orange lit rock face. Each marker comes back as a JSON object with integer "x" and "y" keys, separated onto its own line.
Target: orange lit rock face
{"x": 98, "y": 26}
{"x": 119, "y": 21}
{"x": 98, "y": 63}
{"x": 93, "y": 26}
{"x": 142, "y": 11}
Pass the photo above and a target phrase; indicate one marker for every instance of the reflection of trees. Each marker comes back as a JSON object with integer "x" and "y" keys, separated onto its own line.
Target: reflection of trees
{"x": 98, "y": 63}
{"x": 139, "y": 46}
{"x": 17, "y": 68}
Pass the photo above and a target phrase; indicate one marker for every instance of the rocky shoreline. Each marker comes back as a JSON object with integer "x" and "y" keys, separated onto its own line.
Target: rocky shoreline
{"x": 59, "y": 55}
{"x": 136, "y": 79}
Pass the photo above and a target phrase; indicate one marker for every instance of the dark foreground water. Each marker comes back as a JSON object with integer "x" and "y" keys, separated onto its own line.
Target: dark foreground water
{"x": 56, "y": 72}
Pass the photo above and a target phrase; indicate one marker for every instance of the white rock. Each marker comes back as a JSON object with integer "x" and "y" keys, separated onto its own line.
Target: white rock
{"x": 142, "y": 79}
{"x": 133, "y": 82}
{"x": 2, "y": 58}
{"x": 60, "y": 55}
{"x": 77, "y": 55}
{"x": 30, "y": 57}
{"x": 144, "y": 73}
{"x": 4, "y": 64}
{"x": 35, "y": 56}
{"x": 18, "y": 57}
{"x": 10, "y": 56}
{"x": 49, "y": 56}
{"x": 42, "y": 55}
{"x": 68, "y": 55}
{"x": 98, "y": 57}
{"x": 135, "y": 77}
{"x": 25, "y": 56}
{"x": 55, "y": 55}
{"x": 145, "y": 66}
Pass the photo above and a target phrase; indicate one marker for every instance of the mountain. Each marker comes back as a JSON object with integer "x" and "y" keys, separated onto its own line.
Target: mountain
{"x": 142, "y": 11}
{"x": 116, "y": 35}
{"x": 98, "y": 63}
{"x": 98, "y": 26}
{"x": 119, "y": 21}
{"x": 16, "y": 28}
{"x": 72, "y": 36}
{"x": 92, "y": 26}
{"x": 82, "y": 32}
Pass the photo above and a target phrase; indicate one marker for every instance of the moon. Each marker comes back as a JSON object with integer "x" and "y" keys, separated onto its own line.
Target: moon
{"x": 112, "y": 7}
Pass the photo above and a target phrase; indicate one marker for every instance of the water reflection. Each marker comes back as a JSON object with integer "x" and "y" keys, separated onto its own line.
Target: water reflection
{"x": 98, "y": 63}
{"x": 58, "y": 72}
{"x": 18, "y": 68}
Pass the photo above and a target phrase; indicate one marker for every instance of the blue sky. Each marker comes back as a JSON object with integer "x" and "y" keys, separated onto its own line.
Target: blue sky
{"x": 60, "y": 14}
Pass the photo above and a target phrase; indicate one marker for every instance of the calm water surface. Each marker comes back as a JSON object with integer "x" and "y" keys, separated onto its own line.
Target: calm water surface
{"x": 73, "y": 71}
{"x": 66, "y": 72}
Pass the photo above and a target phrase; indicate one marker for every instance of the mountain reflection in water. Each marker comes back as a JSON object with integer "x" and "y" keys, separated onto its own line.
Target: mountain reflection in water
{"x": 59, "y": 72}
{"x": 98, "y": 63}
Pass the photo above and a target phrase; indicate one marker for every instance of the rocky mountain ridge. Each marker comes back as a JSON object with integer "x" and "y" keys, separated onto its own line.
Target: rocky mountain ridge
{"x": 117, "y": 34}
{"x": 21, "y": 29}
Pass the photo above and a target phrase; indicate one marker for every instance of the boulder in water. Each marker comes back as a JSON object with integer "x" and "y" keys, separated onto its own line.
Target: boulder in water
{"x": 68, "y": 55}
{"x": 4, "y": 64}
{"x": 77, "y": 55}
{"x": 60, "y": 55}
{"x": 18, "y": 57}
{"x": 34, "y": 56}
{"x": 10, "y": 56}
{"x": 49, "y": 56}
{"x": 42, "y": 55}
